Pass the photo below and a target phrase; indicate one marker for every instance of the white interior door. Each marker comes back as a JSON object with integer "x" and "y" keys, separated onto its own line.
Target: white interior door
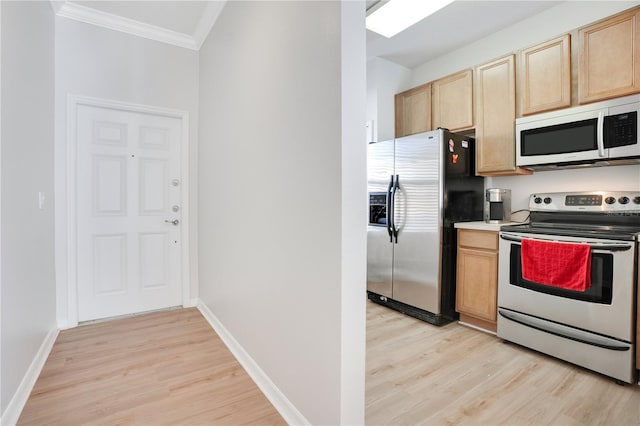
{"x": 128, "y": 212}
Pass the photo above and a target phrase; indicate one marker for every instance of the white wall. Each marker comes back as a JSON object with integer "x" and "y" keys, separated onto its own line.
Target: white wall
{"x": 354, "y": 202}
{"x": 384, "y": 80}
{"x": 282, "y": 196}
{"x": 611, "y": 178}
{"x": 97, "y": 62}
{"x": 28, "y": 276}
{"x": 550, "y": 23}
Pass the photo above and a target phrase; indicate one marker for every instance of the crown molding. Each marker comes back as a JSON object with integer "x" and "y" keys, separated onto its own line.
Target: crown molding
{"x": 129, "y": 26}
{"x": 56, "y": 5}
{"x": 207, "y": 20}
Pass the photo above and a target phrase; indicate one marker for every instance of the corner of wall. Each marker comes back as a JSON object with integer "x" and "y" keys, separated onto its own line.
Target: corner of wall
{"x": 281, "y": 403}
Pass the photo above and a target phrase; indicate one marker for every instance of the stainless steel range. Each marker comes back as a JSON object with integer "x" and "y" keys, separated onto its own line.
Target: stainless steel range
{"x": 579, "y": 309}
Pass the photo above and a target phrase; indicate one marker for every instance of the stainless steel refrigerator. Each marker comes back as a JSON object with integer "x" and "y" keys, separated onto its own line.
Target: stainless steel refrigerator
{"x": 419, "y": 186}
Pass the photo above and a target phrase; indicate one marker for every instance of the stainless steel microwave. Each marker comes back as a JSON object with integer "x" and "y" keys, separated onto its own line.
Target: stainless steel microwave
{"x": 600, "y": 133}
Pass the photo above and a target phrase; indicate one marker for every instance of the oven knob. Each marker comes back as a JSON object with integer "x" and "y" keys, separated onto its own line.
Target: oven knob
{"x": 537, "y": 200}
{"x": 623, "y": 200}
{"x": 547, "y": 200}
{"x": 636, "y": 200}
{"x": 609, "y": 200}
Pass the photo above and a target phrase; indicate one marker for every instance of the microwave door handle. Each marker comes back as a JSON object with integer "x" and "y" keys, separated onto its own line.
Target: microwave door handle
{"x": 600, "y": 136}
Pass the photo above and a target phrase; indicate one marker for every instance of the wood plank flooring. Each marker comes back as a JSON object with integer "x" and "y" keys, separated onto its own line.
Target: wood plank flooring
{"x": 170, "y": 368}
{"x": 163, "y": 368}
{"x": 419, "y": 374}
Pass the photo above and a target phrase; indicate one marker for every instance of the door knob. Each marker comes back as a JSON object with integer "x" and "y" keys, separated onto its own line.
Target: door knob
{"x": 174, "y": 221}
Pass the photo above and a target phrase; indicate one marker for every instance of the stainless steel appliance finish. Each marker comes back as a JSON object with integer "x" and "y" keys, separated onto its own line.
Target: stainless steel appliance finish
{"x": 600, "y": 133}
{"x": 595, "y": 328}
{"x": 419, "y": 185}
{"x": 497, "y": 205}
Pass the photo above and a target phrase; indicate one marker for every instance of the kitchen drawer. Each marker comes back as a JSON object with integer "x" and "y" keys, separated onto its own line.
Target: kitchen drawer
{"x": 478, "y": 239}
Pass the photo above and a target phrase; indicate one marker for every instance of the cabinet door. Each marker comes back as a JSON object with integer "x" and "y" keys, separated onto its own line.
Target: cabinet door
{"x": 495, "y": 117}
{"x": 477, "y": 278}
{"x": 452, "y": 102}
{"x": 638, "y": 318}
{"x": 413, "y": 111}
{"x": 610, "y": 58}
{"x": 545, "y": 76}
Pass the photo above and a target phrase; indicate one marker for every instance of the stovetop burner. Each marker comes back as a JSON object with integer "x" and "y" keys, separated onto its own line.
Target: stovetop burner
{"x": 607, "y": 214}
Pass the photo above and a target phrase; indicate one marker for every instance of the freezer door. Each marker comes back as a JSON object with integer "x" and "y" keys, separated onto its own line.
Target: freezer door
{"x": 379, "y": 248}
{"x": 418, "y": 216}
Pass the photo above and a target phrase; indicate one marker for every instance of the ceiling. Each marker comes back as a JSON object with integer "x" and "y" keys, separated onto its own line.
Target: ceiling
{"x": 187, "y": 22}
{"x": 460, "y": 23}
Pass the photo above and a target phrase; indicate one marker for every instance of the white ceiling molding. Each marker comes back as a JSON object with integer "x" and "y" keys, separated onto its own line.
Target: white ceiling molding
{"x": 118, "y": 23}
{"x": 206, "y": 22}
{"x": 56, "y": 5}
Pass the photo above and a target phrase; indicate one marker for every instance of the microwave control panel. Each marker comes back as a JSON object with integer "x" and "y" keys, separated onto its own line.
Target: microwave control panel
{"x": 621, "y": 129}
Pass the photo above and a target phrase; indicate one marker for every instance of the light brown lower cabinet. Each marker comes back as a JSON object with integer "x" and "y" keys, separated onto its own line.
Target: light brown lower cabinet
{"x": 638, "y": 316}
{"x": 477, "y": 278}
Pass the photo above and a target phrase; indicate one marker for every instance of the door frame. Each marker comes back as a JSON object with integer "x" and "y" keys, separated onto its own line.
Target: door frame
{"x": 73, "y": 102}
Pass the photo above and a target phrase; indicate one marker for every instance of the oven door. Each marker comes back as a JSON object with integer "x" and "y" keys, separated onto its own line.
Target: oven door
{"x": 606, "y": 308}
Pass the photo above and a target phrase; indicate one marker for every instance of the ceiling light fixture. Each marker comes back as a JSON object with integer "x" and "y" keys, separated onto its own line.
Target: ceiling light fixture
{"x": 398, "y": 15}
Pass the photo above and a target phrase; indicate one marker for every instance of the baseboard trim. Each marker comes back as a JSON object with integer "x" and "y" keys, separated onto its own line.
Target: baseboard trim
{"x": 16, "y": 405}
{"x": 281, "y": 403}
{"x": 65, "y": 324}
{"x": 191, "y": 303}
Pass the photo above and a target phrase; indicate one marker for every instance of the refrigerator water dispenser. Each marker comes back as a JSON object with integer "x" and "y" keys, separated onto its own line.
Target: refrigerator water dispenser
{"x": 378, "y": 208}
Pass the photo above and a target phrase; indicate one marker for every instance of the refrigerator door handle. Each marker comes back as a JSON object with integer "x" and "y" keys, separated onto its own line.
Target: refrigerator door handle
{"x": 389, "y": 217}
{"x": 396, "y": 185}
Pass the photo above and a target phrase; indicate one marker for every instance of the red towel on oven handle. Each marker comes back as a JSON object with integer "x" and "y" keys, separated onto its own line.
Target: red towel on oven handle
{"x": 558, "y": 264}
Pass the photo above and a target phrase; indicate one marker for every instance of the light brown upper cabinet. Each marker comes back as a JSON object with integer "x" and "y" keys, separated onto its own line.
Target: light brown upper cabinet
{"x": 452, "y": 102}
{"x": 610, "y": 57}
{"x": 495, "y": 118}
{"x": 544, "y": 73}
{"x": 413, "y": 111}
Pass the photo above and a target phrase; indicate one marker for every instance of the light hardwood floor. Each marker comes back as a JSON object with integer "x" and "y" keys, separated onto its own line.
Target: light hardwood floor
{"x": 421, "y": 374}
{"x": 170, "y": 368}
{"x": 163, "y": 368}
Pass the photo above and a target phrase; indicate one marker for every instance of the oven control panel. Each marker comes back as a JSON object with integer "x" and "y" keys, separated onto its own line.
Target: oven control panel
{"x": 597, "y": 201}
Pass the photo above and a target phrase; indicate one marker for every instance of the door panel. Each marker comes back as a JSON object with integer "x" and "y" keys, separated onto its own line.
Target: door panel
{"x": 109, "y": 185}
{"x": 154, "y": 247}
{"x": 110, "y": 264}
{"x": 128, "y": 180}
{"x": 153, "y": 190}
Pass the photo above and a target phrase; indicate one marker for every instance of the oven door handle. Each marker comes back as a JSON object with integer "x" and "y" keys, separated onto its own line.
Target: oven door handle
{"x": 594, "y": 246}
